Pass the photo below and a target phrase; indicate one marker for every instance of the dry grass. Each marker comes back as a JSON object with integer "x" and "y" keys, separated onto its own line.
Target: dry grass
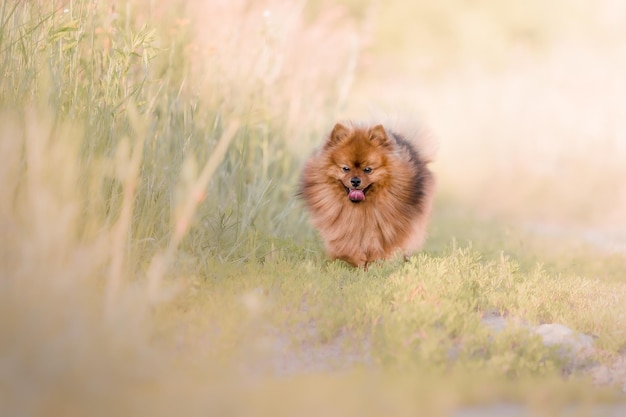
{"x": 154, "y": 259}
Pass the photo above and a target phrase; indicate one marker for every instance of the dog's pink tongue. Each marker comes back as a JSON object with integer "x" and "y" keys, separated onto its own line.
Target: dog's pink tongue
{"x": 356, "y": 195}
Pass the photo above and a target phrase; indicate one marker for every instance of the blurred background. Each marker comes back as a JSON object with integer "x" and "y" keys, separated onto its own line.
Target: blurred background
{"x": 525, "y": 100}
{"x": 151, "y": 152}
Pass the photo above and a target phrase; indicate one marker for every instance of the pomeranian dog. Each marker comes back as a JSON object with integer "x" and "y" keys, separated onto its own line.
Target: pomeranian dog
{"x": 369, "y": 193}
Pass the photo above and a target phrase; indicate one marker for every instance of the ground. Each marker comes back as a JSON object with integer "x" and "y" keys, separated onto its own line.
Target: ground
{"x": 156, "y": 259}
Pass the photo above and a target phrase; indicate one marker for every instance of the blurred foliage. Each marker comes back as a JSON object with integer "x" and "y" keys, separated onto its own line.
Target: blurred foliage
{"x": 155, "y": 259}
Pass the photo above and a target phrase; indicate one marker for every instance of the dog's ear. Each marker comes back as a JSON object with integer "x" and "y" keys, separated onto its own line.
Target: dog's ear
{"x": 339, "y": 133}
{"x": 378, "y": 135}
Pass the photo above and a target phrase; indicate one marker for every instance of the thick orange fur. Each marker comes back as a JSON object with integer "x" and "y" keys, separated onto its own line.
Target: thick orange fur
{"x": 391, "y": 176}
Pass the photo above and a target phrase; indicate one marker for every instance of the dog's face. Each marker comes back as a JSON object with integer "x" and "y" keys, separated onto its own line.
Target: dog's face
{"x": 358, "y": 159}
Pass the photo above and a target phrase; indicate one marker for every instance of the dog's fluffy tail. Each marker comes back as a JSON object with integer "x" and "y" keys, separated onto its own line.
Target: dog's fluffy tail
{"x": 410, "y": 128}
{"x": 415, "y": 132}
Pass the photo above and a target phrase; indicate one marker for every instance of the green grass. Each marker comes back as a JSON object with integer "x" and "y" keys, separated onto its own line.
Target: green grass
{"x": 155, "y": 260}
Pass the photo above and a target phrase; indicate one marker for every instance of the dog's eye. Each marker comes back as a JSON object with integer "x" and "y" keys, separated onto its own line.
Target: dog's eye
{"x": 345, "y": 169}
{"x": 367, "y": 170}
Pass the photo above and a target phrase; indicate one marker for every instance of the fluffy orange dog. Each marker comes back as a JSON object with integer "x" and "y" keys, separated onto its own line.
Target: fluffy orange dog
{"x": 369, "y": 193}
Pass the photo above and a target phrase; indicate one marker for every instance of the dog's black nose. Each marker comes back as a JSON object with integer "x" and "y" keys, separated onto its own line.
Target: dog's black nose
{"x": 355, "y": 181}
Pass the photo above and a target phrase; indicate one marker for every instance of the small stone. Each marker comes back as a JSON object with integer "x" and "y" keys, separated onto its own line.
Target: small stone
{"x": 557, "y": 334}
{"x": 495, "y": 323}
